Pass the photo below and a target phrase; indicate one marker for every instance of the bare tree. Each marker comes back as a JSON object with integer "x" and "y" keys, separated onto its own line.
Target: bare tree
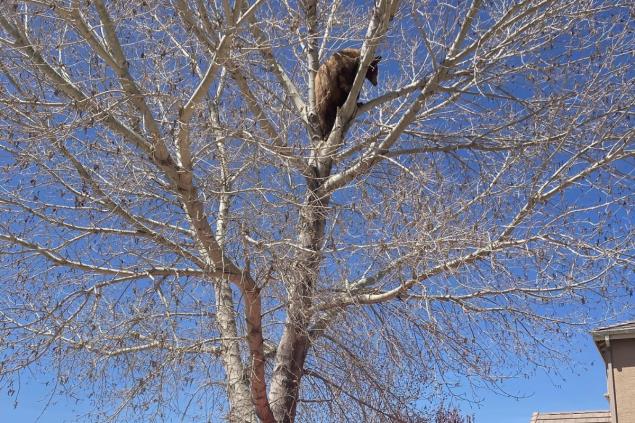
{"x": 177, "y": 239}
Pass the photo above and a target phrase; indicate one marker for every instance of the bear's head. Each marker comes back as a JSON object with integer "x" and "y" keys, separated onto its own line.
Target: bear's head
{"x": 373, "y": 70}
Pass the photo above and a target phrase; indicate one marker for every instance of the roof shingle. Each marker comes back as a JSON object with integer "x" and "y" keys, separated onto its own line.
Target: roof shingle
{"x": 620, "y": 330}
{"x": 574, "y": 417}
{"x": 623, "y": 326}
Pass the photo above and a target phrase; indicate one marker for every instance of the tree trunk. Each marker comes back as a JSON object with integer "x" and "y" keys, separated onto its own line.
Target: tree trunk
{"x": 241, "y": 408}
{"x": 295, "y": 342}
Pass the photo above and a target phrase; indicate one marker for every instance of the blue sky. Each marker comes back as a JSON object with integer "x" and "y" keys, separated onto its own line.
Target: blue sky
{"x": 579, "y": 389}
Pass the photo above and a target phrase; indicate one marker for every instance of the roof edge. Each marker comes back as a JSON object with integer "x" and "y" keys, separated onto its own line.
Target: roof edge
{"x": 623, "y": 330}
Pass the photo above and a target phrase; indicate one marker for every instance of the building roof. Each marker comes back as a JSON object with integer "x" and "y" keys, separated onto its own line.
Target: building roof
{"x": 622, "y": 330}
{"x": 574, "y": 417}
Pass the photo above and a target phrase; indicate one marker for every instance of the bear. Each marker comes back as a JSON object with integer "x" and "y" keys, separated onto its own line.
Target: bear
{"x": 334, "y": 80}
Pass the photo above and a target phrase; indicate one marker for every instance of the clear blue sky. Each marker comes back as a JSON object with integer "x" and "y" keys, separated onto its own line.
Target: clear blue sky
{"x": 580, "y": 390}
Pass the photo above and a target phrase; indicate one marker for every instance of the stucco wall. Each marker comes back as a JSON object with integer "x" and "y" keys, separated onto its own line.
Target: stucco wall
{"x": 623, "y": 352}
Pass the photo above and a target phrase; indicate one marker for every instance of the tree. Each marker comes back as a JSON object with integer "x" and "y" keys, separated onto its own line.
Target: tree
{"x": 178, "y": 240}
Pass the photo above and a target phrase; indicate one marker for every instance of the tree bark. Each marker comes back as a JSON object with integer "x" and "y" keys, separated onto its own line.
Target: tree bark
{"x": 295, "y": 342}
{"x": 241, "y": 408}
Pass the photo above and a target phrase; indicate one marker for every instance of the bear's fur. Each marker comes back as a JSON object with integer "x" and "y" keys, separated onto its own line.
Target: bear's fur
{"x": 334, "y": 80}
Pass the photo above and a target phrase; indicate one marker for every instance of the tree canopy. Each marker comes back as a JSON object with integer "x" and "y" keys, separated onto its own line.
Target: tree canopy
{"x": 178, "y": 239}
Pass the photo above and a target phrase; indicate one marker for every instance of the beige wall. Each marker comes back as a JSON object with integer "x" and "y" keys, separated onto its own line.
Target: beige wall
{"x": 623, "y": 355}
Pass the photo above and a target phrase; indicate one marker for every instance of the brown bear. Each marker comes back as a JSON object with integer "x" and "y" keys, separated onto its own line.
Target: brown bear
{"x": 334, "y": 80}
